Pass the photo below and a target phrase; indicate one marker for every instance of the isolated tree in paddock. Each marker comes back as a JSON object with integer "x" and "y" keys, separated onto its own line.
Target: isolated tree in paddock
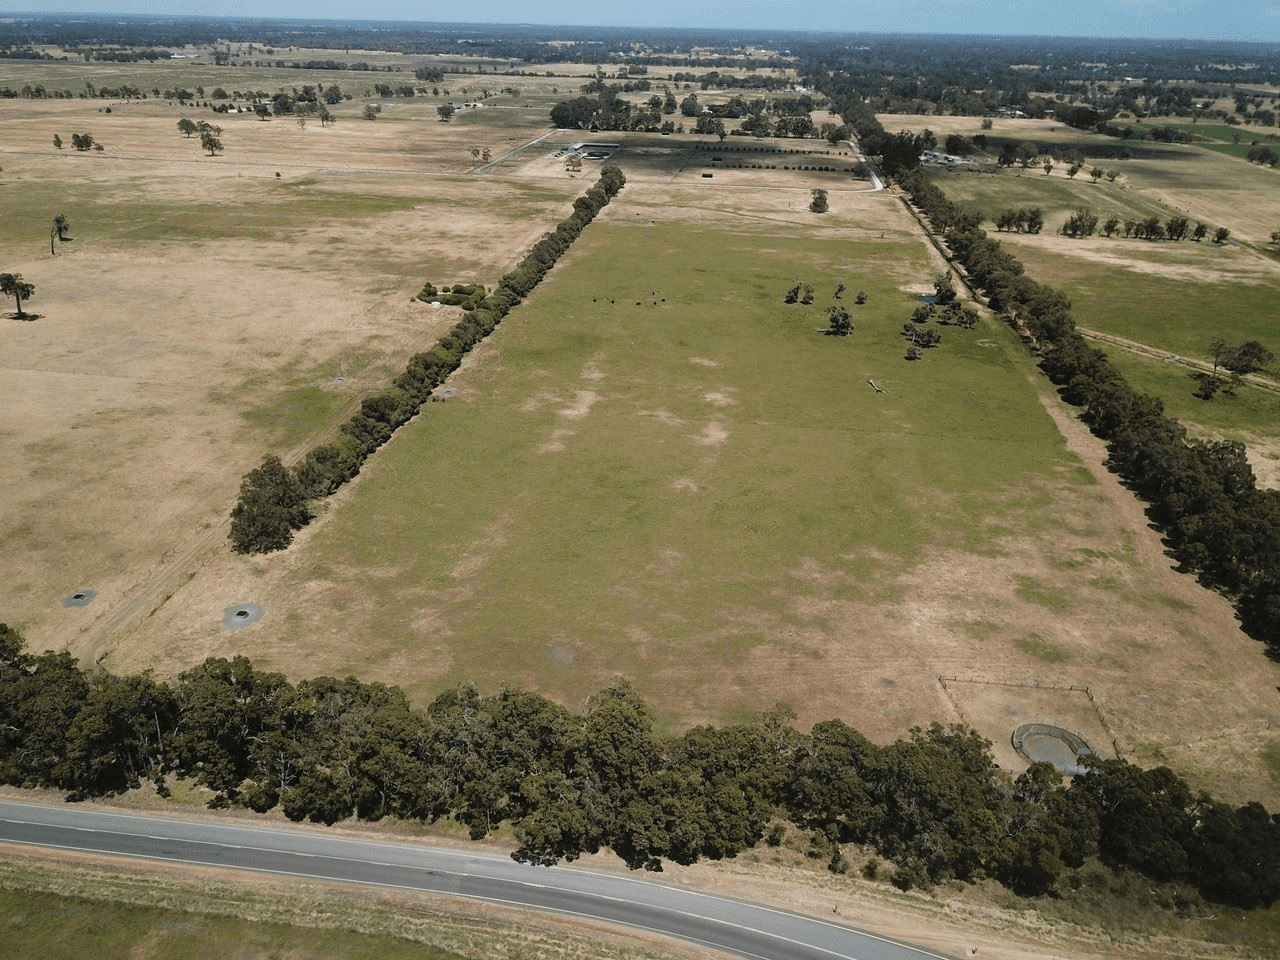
{"x": 944, "y": 289}
{"x": 1221, "y": 234}
{"x": 272, "y": 505}
{"x": 61, "y": 225}
{"x": 12, "y": 285}
{"x": 82, "y": 141}
{"x": 839, "y": 321}
{"x": 573, "y": 163}
{"x": 187, "y": 126}
{"x": 819, "y": 202}
{"x": 57, "y": 141}
{"x": 209, "y": 141}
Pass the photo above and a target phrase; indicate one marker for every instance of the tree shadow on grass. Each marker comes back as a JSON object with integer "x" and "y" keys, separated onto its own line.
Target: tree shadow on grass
{"x": 25, "y": 316}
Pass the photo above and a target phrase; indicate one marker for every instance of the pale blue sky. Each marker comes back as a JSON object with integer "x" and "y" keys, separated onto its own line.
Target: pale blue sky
{"x": 1194, "y": 19}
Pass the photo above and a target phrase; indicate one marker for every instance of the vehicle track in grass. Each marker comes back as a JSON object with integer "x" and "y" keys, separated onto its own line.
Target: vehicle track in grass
{"x": 183, "y": 562}
{"x": 1200, "y": 366}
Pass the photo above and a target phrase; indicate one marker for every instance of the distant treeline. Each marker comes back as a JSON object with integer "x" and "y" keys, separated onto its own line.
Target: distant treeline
{"x": 571, "y": 782}
{"x": 901, "y": 72}
{"x": 272, "y": 504}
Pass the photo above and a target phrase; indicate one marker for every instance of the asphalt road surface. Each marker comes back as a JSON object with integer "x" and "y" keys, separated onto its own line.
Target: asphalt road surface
{"x": 741, "y": 928}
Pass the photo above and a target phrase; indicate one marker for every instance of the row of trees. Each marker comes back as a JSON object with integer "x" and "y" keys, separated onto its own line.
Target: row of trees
{"x": 571, "y": 782}
{"x": 1023, "y": 220}
{"x": 602, "y": 108}
{"x": 1217, "y": 522}
{"x": 1084, "y": 222}
{"x": 271, "y": 507}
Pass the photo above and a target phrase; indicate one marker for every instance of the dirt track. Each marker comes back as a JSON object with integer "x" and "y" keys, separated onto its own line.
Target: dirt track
{"x": 1202, "y": 366}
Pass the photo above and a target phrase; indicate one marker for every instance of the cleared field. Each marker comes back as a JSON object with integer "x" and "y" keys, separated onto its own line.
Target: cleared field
{"x": 654, "y": 468}
{"x": 691, "y": 487}
{"x": 208, "y": 310}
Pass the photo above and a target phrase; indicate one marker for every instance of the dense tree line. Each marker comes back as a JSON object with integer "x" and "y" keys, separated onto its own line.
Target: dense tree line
{"x": 1217, "y": 522}
{"x": 571, "y": 782}
{"x": 24, "y": 53}
{"x": 271, "y": 507}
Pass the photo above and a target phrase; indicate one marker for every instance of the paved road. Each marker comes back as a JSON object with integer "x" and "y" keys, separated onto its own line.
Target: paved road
{"x": 742, "y": 928}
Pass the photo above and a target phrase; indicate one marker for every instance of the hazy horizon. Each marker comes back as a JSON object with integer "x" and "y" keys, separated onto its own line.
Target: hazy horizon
{"x": 1238, "y": 20}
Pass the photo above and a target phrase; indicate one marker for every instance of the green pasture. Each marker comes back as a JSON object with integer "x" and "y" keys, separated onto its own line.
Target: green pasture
{"x": 1226, "y": 133}
{"x": 655, "y": 455}
{"x": 1230, "y": 149}
{"x": 1165, "y": 312}
{"x": 1059, "y": 196}
{"x": 46, "y": 926}
{"x": 1246, "y": 415}
{"x": 991, "y": 194}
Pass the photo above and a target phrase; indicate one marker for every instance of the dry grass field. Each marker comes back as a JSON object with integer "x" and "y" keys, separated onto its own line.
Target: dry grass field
{"x": 208, "y": 311}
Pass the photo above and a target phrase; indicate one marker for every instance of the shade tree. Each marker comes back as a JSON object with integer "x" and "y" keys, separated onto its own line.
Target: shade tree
{"x": 839, "y": 321}
{"x": 12, "y": 285}
{"x": 271, "y": 506}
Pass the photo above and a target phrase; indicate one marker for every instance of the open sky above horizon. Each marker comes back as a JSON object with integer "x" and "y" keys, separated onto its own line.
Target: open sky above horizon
{"x": 1257, "y": 20}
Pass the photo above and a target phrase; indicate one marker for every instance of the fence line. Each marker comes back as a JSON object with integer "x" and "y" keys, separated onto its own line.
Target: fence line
{"x": 1033, "y": 684}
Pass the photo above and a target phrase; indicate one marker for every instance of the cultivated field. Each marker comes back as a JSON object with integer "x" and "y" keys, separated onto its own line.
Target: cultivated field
{"x": 654, "y": 468}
